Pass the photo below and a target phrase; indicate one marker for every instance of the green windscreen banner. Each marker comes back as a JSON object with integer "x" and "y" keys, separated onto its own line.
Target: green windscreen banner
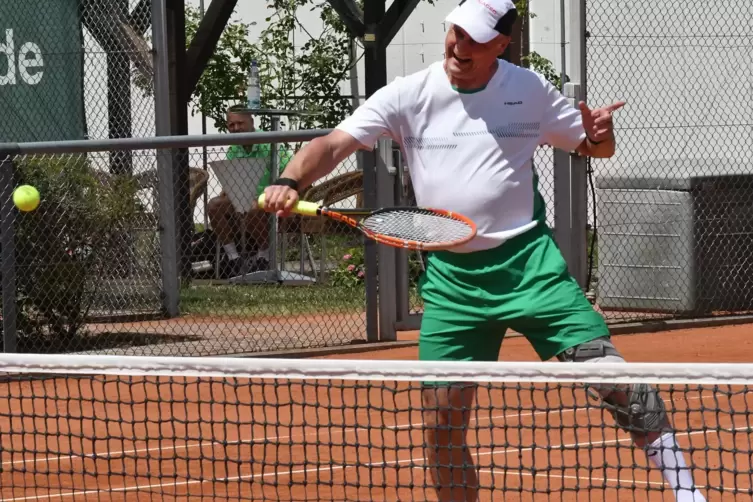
{"x": 41, "y": 71}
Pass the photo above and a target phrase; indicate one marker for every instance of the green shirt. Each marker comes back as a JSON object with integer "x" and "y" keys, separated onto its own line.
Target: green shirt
{"x": 262, "y": 150}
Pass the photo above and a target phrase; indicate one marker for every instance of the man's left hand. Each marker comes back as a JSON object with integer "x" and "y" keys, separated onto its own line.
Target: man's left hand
{"x": 598, "y": 122}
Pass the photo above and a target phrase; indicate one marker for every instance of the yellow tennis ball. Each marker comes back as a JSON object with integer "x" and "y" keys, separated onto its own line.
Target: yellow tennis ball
{"x": 26, "y": 198}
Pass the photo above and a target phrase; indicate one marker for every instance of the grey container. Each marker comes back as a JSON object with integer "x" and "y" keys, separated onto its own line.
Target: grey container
{"x": 676, "y": 244}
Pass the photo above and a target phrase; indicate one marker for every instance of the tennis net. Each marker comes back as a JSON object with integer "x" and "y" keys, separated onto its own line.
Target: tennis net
{"x": 133, "y": 428}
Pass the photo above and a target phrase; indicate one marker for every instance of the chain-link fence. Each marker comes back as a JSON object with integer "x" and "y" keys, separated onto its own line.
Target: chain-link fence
{"x": 89, "y": 262}
{"x": 673, "y": 207}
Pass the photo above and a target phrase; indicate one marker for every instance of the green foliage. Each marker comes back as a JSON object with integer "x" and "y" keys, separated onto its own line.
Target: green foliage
{"x": 225, "y": 74}
{"x": 306, "y": 78}
{"x": 543, "y": 66}
{"x": 523, "y": 11}
{"x": 351, "y": 270}
{"x": 69, "y": 244}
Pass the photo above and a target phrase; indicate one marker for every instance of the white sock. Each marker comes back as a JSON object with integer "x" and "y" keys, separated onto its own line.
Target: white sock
{"x": 232, "y": 253}
{"x": 665, "y": 454}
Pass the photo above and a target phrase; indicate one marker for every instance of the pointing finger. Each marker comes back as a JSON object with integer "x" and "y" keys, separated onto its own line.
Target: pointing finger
{"x": 615, "y": 106}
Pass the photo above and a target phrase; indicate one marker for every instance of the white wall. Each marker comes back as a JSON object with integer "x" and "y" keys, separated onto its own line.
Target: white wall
{"x": 685, "y": 72}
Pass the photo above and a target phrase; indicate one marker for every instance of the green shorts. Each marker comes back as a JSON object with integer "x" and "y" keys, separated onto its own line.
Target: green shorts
{"x": 471, "y": 299}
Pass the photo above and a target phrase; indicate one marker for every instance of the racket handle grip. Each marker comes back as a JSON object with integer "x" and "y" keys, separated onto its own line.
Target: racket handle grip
{"x": 301, "y": 207}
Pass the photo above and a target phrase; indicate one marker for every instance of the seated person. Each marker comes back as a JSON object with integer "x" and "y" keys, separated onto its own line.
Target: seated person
{"x": 226, "y": 222}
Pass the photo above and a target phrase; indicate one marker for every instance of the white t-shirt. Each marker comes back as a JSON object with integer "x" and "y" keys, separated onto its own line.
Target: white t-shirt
{"x": 472, "y": 152}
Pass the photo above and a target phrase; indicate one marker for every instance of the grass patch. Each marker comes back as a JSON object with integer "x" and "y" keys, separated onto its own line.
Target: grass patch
{"x": 260, "y": 300}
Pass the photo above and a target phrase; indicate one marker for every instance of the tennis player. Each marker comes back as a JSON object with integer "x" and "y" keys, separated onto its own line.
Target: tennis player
{"x": 468, "y": 127}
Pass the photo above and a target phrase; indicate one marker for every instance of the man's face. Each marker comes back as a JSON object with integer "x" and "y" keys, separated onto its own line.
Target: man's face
{"x": 465, "y": 58}
{"x": 238, "y": 122}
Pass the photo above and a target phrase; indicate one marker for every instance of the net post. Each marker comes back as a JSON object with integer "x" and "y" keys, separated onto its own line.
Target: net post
{"x": 8, "y": 249}
{"x": 167, "y": 214}
{"x": 387, "y": 266}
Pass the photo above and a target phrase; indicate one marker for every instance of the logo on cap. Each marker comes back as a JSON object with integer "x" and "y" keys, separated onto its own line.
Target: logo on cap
{"x": 485, "y": 5}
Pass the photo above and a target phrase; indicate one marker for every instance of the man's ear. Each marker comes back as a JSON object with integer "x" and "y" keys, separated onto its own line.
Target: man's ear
{"x": 502, "y": 42}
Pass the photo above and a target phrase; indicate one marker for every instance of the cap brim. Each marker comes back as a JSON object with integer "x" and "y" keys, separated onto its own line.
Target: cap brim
{"x": 470, "y": 23}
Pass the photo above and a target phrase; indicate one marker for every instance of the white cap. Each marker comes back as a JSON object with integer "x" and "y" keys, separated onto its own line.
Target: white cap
{"x": 484, "y": 19}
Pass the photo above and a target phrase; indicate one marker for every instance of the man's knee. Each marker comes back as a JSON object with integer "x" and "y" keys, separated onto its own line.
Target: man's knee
{"x": 637, "y": 408}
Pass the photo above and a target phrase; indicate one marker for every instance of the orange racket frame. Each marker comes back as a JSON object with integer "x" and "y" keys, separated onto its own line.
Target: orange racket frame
{"x": 349, "y": 217}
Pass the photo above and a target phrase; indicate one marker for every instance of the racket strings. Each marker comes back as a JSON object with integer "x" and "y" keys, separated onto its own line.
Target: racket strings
{"x": 418, "y": 225}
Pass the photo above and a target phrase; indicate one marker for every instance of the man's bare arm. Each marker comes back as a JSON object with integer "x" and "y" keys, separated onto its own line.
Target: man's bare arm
{"x": 320, "y": 157}
{"x": 314, "y": 161}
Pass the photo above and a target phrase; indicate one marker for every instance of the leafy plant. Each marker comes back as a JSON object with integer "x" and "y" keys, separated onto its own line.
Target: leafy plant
{"x": 305, "y": 78}
{"x": 224, "y": 76}
{"x": 543, "y": 66}
{"x": 70, "y": 243}
{"x": 351, "y": 269}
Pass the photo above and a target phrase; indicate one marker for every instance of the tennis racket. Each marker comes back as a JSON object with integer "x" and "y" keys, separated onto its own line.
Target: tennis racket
{"x": 417, "y": 228}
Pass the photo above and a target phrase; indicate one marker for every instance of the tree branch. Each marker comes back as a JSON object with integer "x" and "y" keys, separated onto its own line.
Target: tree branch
{"x": 394, "y": 19}
{"x": 351, "y": 15}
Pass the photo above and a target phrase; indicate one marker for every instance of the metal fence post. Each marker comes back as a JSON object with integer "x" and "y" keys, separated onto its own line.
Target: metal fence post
{"x": 8, "y": 250}
{"x": 402, "y": 270}
{"x": 562, "y": 221}
{"x": 570, "y": 175}
{"x": 385, "y": 176}
{"x": 370, "y": 249}
{"x": 576, "y": 90}
{"x": 168, "y": 231}
{"x": 273, "y": 172}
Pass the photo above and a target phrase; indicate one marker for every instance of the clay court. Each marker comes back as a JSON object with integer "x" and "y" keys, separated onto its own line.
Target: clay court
{"x": 159, "y": 438}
